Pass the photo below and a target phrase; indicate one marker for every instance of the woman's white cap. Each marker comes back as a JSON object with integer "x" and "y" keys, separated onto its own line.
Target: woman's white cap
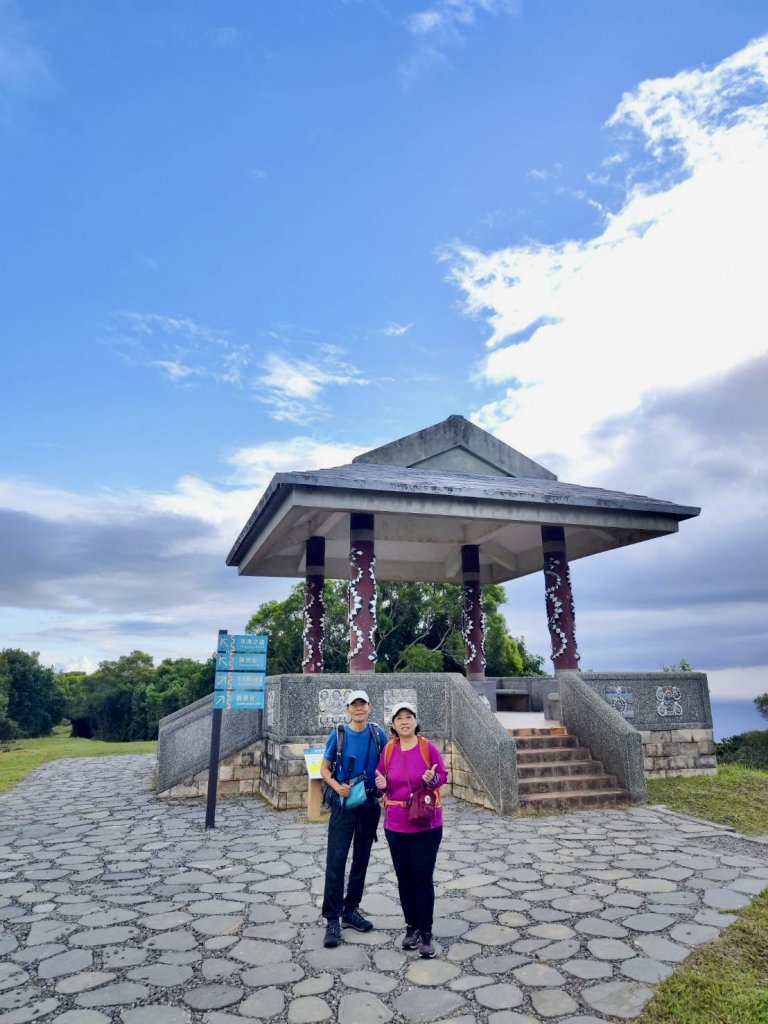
{"x": 358, "y": 695}
{"x": 403, "y": 705}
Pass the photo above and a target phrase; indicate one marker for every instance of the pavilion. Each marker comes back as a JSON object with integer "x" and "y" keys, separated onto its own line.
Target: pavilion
{"x": 450, "y": 503}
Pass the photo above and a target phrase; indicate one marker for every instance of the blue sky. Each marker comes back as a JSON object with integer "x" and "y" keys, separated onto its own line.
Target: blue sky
{"x": 244, "y": 237}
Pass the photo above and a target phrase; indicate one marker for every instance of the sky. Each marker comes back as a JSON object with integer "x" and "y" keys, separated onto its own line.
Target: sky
{"x": 249, "y": 236}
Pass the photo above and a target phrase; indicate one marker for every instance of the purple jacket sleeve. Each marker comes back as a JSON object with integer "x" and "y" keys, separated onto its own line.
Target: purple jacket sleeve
{"x": 441, "y": 776}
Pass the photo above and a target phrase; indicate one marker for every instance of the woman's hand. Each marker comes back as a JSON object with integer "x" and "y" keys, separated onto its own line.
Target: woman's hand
{"x": 429, "y": 775}
{"x": 343, "y": 789}
{"x": 381, "y": 782}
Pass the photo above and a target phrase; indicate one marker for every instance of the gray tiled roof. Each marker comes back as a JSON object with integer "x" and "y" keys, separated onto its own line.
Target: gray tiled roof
{"x": 362, "y": 476}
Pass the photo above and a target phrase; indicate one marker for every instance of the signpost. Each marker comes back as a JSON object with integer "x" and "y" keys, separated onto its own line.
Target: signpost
{"x": 241, "y": 673}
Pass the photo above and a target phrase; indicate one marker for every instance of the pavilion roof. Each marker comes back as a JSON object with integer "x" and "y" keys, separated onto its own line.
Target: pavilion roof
{"x": 423, "y": 516}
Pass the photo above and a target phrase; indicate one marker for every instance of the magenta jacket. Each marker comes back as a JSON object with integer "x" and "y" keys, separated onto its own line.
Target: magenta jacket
{"x": 405, "y": 765}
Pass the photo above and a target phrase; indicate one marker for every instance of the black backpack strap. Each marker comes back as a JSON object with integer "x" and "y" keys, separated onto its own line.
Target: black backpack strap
{"x": 376, "y": 730}
{"x": 340, "y": 738}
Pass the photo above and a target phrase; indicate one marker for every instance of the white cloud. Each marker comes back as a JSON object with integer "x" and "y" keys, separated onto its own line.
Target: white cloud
{"x": 257, "y": 464}
{"x": 190, "y": 353}
{"x": 291, "y": 387}
{"x": 636, "y": 359}
{"x": 443, "y": 25}
{"x": 448, "y": 15}
{"x": 668, "y": 295}
{"x": 92, "y": 576}
{"x": 395, "y": 330}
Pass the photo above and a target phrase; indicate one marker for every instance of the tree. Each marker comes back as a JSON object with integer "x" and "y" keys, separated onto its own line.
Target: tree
{"x": 9, "y": 730}
{"x": 419, "y": 630}
{"x": 679, "y": 666}
{"x": 761, "y": 703}
{"x": 116, "y": 697}
{"x": 34, "y": 703}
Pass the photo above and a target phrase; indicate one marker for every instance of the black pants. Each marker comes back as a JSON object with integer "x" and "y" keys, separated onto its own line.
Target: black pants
{"x": 413, "y": 856}
{"x": 348, "y": 828}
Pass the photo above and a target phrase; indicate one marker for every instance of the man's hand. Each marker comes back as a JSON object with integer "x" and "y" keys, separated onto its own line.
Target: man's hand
{"x": 343, "y": 789}
{"x": 381, "y": 782}
{"x": 429, "y": 774}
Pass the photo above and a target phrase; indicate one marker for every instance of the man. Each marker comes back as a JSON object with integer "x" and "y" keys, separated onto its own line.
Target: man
{"x": 361, "y": 745}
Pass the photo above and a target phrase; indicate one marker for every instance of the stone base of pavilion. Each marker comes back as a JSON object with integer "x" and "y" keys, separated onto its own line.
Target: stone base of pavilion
{"x": 638, "y": 725}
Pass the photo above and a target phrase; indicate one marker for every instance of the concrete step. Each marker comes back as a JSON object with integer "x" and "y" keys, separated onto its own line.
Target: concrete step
{"x": 553, "y": 754}
{"x": 561, "y": 739}
{"x": 568, "y": 784}
{"x": 539, "y": 769}
{"x": 550, "y": 730}
{"x": 563, "y": 801}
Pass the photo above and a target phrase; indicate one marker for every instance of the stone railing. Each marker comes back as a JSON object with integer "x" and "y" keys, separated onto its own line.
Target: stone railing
{"x": 485, "y": 755}
{"x": 611, "y": 739}
{"x": 185, "y": 740}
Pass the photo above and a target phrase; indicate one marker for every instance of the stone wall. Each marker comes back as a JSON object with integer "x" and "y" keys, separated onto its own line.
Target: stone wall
{"x": 239, "y": 775}
{"x": 678, "y": 752}
{"x": 464, "y": 783}
{"x": 672, "y": 713}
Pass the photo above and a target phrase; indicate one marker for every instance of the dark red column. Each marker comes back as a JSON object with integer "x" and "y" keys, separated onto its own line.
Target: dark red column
{"x": 561, "y": 617}
{"x": 362, "y": 594}
{"x": 314, "y": 607}
{"x": 472, "y": 619}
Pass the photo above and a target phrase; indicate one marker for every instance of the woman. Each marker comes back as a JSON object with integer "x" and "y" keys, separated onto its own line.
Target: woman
{"x": 406, "y": 763}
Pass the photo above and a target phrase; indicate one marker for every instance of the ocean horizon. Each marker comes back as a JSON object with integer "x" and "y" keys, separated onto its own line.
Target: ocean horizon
{"x": 731, "y": 717}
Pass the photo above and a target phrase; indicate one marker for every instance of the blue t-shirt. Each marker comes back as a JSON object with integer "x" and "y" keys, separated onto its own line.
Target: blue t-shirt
{"x": 358, "y": 745}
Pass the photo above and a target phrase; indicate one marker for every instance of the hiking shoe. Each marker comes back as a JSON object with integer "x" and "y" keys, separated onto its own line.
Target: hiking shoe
{"x": 426, "y": 949}
{"x": 411, "y": 938}
{"x": 332, "y": 934}
{"x": 354, "y": 919}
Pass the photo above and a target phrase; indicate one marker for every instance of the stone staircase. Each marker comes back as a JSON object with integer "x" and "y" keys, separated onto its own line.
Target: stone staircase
{"x": 555, "y": 773}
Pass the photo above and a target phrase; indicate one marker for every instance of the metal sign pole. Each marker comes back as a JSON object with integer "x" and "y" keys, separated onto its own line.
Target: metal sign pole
{"x": 213, "y": 763}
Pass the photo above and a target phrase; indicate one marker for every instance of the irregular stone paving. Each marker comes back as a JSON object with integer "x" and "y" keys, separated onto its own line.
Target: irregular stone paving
{"x": 115, "y": 907}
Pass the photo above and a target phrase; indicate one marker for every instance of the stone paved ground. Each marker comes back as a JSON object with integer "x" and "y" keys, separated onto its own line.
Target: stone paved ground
{"x": 115, "y": 907}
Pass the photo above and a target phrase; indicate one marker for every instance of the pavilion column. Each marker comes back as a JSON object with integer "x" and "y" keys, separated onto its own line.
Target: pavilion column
{"x": 561, "y": 617}
{"x": 362, "y": 594}
{"x": 472, "y": 619}
{"x": 314, "y": 606}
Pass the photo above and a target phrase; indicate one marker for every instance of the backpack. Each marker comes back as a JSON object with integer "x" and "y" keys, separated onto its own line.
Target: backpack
{"x": 341, "y": 736}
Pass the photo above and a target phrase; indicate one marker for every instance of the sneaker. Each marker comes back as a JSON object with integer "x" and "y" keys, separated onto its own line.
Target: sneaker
{"x": 411, "y": 938}
{"x": 426, "y": 949}
{"x": 332, "y": 934}
{"x": 354, "y": 919}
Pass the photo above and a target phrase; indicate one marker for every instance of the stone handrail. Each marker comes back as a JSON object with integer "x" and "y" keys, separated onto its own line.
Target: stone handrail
{"x": 611, "y": 739}
{"x": 485, "y": 745}
{"x": 185, "y": 740}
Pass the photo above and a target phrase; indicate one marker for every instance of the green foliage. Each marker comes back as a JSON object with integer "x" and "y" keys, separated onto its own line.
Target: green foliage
{"x": 761, "y": 703}
{"x": 124, "y": 700}
{"x": 748, "y": 748}
{"x": 679, "y": 666}
{"x": 419, "y": 630}
{"x": 30, "y": 701}
{"x": 419, "y": 658}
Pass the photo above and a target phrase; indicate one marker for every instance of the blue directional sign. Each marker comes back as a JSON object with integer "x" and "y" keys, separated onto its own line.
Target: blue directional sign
{"x": 239, "y": 700}
{"x": 231, "y": 662}
{"x": 240, "y": 680}
{"x": 256, "y": 643}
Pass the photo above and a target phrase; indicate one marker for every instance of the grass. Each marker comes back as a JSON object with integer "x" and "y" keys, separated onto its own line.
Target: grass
{"x": 723, "y": 983}
{"x": 736, "y": 796}
{"x": 26, "y": 755}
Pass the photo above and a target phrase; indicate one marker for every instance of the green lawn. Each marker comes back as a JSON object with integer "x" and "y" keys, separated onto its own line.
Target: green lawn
{"x": 736, "y": 796}
{"x": 723, "y": 983}
{"x": 25, "y": 755}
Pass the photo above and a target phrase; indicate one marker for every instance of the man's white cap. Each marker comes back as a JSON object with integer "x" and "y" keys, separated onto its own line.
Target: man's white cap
{"x": 358, "y": 695}
{"x": 403, "y": 705}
